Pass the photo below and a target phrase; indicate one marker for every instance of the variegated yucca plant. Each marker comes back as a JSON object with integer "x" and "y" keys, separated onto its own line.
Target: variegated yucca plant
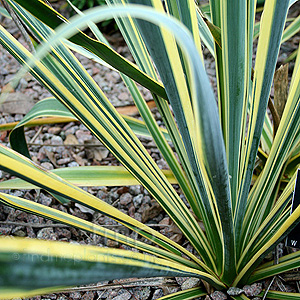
{"x": 237, "y": 173}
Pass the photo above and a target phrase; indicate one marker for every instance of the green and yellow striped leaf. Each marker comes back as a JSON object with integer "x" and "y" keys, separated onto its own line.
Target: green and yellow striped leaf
{"x": 57, "y": 265}
{"x": 87, "y": 176}
{"x": 285, "y": 264}
{"x": 267, "y": 52}
{"x": 78, "y": 92}
{"x": 62, "y": 217}
{"x": 20, "y": 166}
{"x": 277, "y": 295}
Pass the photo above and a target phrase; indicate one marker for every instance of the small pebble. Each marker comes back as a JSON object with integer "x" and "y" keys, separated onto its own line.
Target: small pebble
{"x": 47, "y": 165}
{"x": 54, "y": 130}
{"x": 253, "y": 289}
{"x": 45, "y": 200}
{"x": 234, "y": 291}
{"x": 56, "y": 140}
{"x": 46, "y": 234}
{"x": 157, "y": 294}
{"x": 63, "y": 161}
{"x": 73, "y": 164}
{"x": 142, "y": 293}
{"x": 137, "y": 200}
{"x": 217, "y": 295}
{"x": 125, "y": 199}
{"x": 75, "y": 295}
{"x": 83, "y": 136}
{"x": 190, "y": 283}
{"x": 124, "y": 296}
{"x": 88, "y": 296}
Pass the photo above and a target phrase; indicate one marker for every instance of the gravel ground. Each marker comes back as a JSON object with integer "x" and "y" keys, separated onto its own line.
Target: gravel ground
{"x": 70, "y": 145}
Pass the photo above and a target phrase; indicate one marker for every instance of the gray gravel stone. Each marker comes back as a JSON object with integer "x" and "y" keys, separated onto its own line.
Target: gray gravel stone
{"x": 217, "y": 295}
{"x": 75, "y": 295}
{"x": 73, "y": 164}
{"x": 135, "y": 190}
{"x": 56, "y": 140}
{"x": 54, "y": 130}
{"x": 4, "y": 230}
{"x": 19, "y": 233}
{"x": 125, "y": 199}
{"x": 88, "y": 296}
{"x": 157, "y": 294}
{"x": 47, "y": 165}
{"x": 137, "y": 200}
{"x": 253, "y": 289}
{"x": 124, "y": 296}
{"x": 190, "y": 283}
{"x": 234, "y": 291}
{"x": 83, "y": 136}
{"x": 63, "y": 161}
{"x": 18, "y": 193}
{"x": 142, "y": 293}
{"x": 45, "y": 200}
{"x": 18, "y": 117}
{"x": 46, "y": 234}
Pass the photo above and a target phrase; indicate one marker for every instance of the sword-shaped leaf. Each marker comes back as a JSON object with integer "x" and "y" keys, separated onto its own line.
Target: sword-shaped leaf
{"x": 52, "y": 265}
{"x": 87, "y": 176}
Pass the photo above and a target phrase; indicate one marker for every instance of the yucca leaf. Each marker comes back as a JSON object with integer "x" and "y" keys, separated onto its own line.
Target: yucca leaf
{"x": 4, "y": 13}
{"x": 291, "y": 30}
{"x": 185, "y": 295}
{"x": 36, "y": 264}
{"x": 88, "y": 54}
{"x": 283, "y": 259}
{"x": 138, "y": 49}
{"x": 267, "y": 52}
{"x": 20, "y": 166}
{"x": 166, "y": 58}
{"x": 288, "y": 32}
{"x": 62, "y": 217}
{"x": 38, "y": 122}
{"x": 45, "y": 107}
{"x": 292, "y": 164}
{"x": 272, "y": 222}
{"x": 286, "y": 134}
{"x": 236, "y": 74}
{"x": 50, "y": 107}
{"x": 185, "y": 11}
{"x": 240, "y": 297}
{"x": 53, "y": 19}
{"x": 275, "y": 238}
{"x": 103, "y": 120}
{"x": 205, "y": 34}
{"x": 296, "y": 66}
{"x": 277, "y": 295}
{"x": 41, "y": 109}
{"x": 87, "y": 176}
{"x": 286, "y": 263}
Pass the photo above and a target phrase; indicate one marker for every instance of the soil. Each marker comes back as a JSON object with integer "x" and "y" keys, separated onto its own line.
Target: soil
{"x": 70, "y": 145}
